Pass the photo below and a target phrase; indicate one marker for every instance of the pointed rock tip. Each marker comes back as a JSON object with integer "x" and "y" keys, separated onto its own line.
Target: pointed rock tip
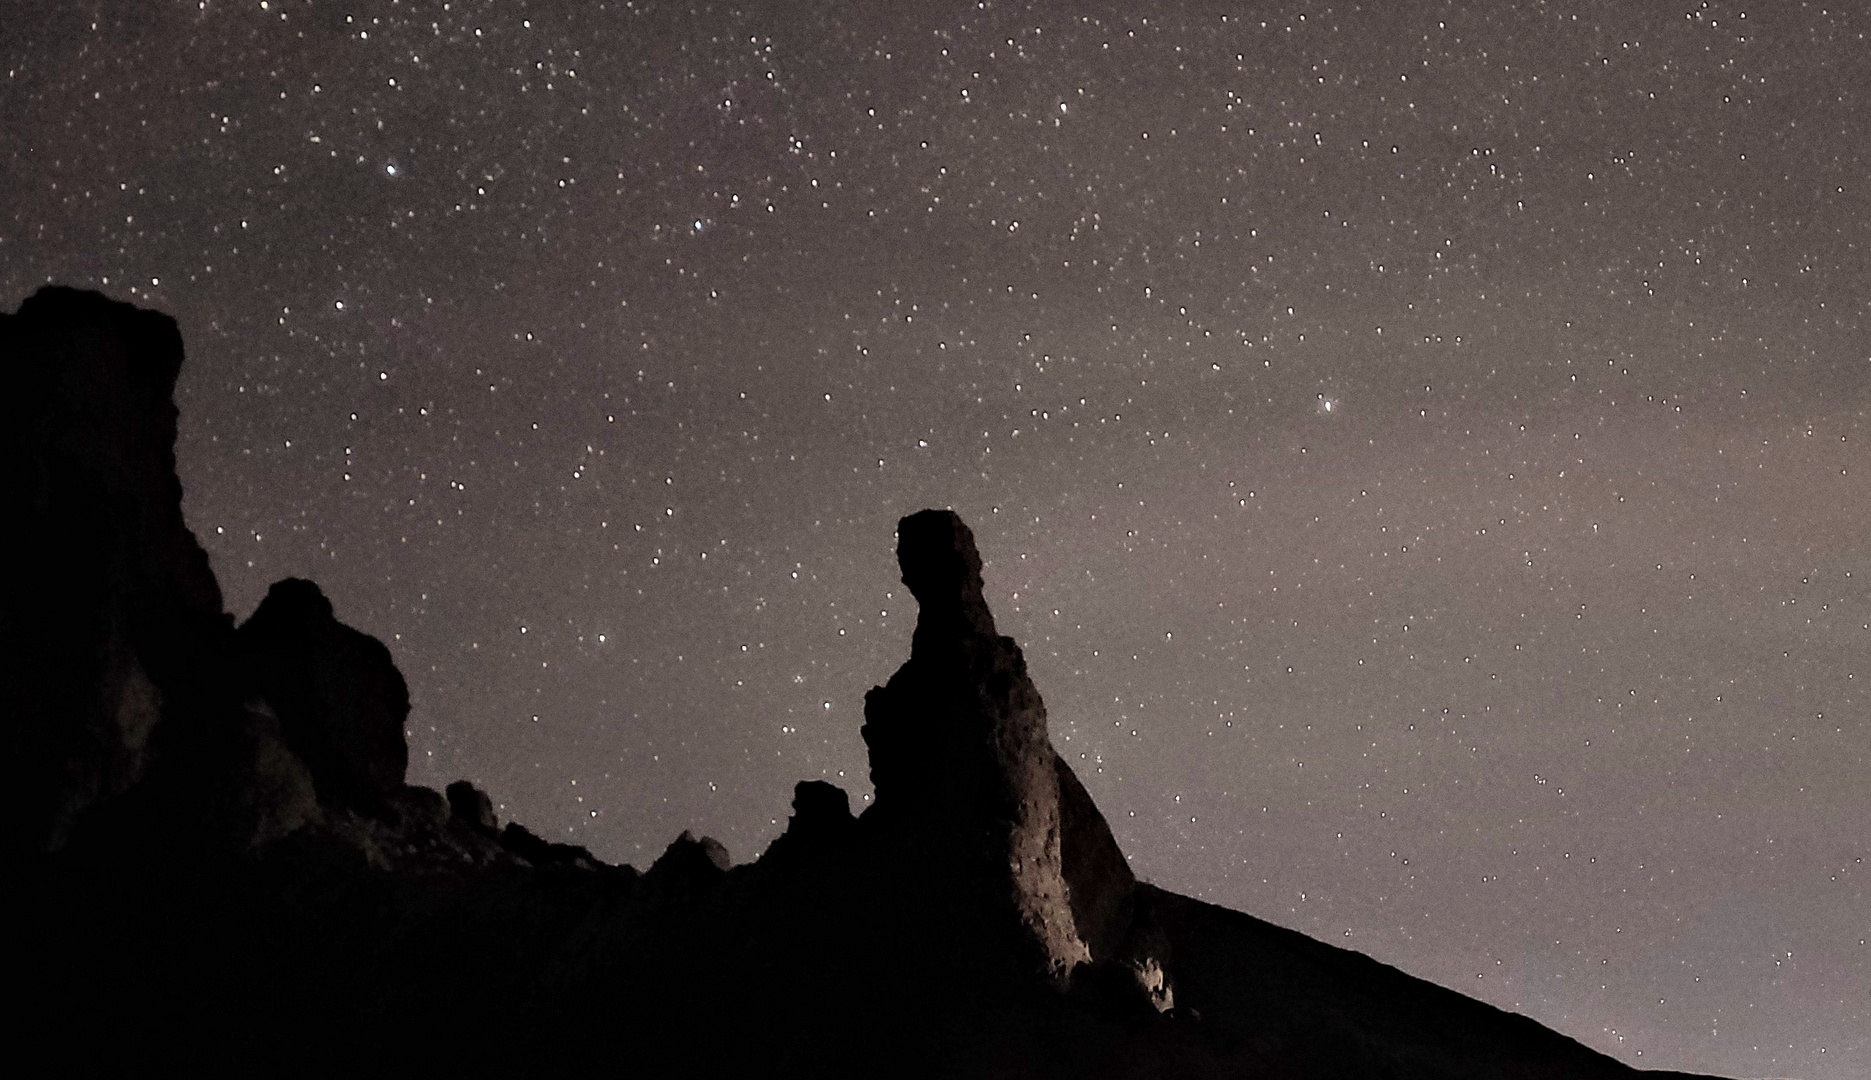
{"x": 691, "y": 860}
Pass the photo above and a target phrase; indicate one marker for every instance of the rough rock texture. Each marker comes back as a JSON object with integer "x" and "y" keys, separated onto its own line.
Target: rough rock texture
{"x": 215, "y": 858}
{"x": 960, "y": 758}
{"x": 1097, "y": 875}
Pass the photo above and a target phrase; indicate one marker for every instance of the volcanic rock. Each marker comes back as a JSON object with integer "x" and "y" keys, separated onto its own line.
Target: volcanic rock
{"x": 1097, "y": 876}
{"x": 960, "y": 759}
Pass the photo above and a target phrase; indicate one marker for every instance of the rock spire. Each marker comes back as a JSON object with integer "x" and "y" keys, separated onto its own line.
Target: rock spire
{"x": 960, "y": 758}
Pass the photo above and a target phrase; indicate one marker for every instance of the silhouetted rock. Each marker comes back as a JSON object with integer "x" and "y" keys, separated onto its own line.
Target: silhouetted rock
{"x": 820, "y": 807}
{"x": 688, "y": 865}
{"x": 960, "y": 759}
{"x": 339, "y": 697}
{"x": 821, "y": 825}
{"x": 137, "y": 720}
{"x": 216, "y": 856}
{"x": 112, "y": 619}
{"x": 471, "y": 806}
{"x": 539, "y": 851}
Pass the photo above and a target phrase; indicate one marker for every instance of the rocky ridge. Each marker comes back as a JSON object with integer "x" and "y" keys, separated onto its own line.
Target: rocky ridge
{"x": 222, "y": 855}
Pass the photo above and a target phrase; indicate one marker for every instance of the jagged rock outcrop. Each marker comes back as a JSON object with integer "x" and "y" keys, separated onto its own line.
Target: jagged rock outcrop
{"x": 113, "y": 619}
{"x": 340, "y": 700}
{"x": 688, "y": 866}
{"x": 960, "y": 758}
{"x": 218, "y": 858}
{"x": 537, "y": 850}
{"x": 821, "y": 825}
{"x": 138, "y": 723}
{"x": 472, "y": 807}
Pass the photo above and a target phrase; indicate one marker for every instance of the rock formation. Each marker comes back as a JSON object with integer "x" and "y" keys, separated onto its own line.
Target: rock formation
{"x": 219, "y": 859}
{"x": 1097, "y": 876}
{"x": 960, "y": 759}
{"x": 689, "y": 866}
{"x": 821, "y": 825}
{"x": 113, "y": 619}
{"x": 472, "y": 807}
{"x": 340, "y": 699}
{"x": 136, "y": 715}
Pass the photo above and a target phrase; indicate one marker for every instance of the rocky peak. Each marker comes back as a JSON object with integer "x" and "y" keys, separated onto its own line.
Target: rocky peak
{"x": 936, "y": 554}
{"x": 688, "y": 866}
{"x": 340, "y": 700}
{"x": 960, "y": 759}
{"x": 113, "y": 620}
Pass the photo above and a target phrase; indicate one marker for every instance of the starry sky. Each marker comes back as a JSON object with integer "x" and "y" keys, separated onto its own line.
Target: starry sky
{"x": 1421, "y": 447}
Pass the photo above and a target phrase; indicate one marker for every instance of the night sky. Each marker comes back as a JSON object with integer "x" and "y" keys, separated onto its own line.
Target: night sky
{"x": 1421, "y": 447}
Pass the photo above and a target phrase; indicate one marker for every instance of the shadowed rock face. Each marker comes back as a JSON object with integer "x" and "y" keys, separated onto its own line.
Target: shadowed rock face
{"x": 960, "y": 758}
{"x": 133, "y": 713}
{"x": 340, "y": 700}
{"x": 821, "y": 826}
{"x": 471, "y": 806}
{"x": 1097, "y": 875}
{"x": 112, "y": 619}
